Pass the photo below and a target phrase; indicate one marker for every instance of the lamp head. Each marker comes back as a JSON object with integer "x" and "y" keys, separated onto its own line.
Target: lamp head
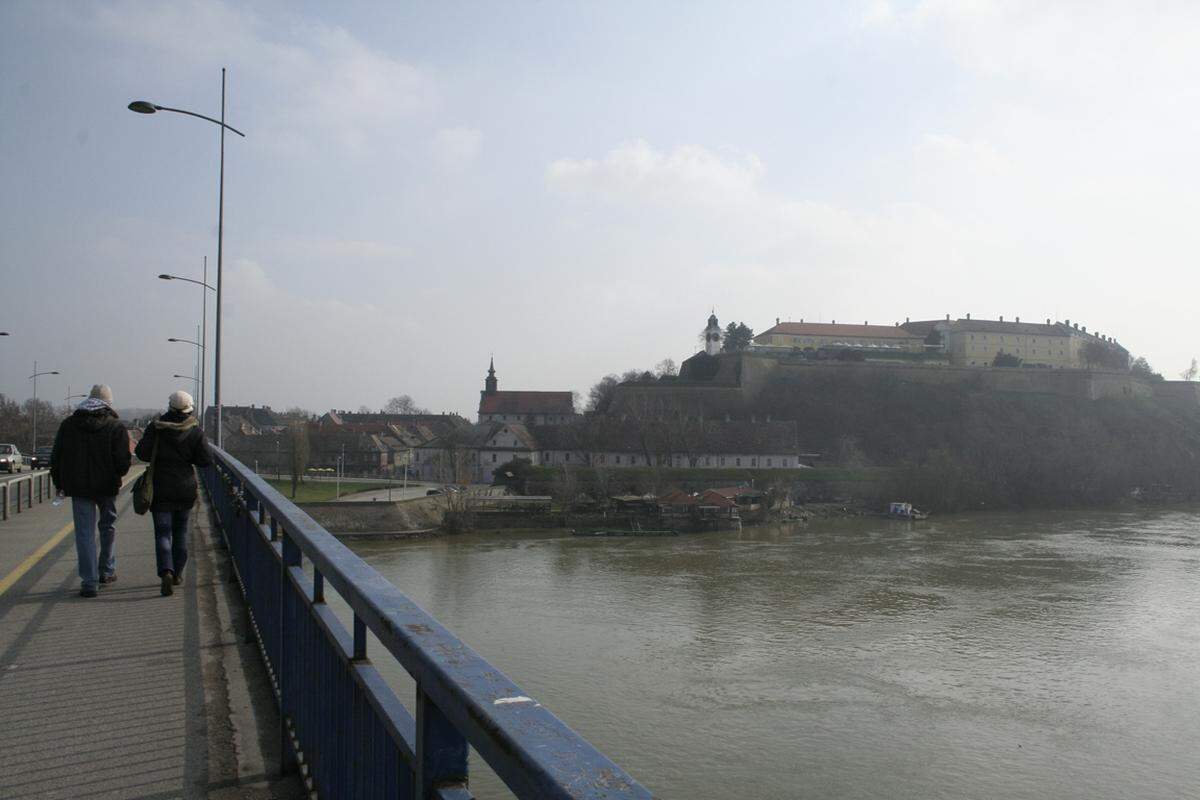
{"x": 166, "y": 277}
{"x": 3, "y": 333}
{"x": 172, "y": 339}
{"x": 55, "y": 372}
{"x": 143, "y": 107}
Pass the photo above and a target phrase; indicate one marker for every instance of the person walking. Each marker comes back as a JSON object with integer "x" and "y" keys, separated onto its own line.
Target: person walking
{"x": 176, "y": 444}
{"x": 90, "y": 456}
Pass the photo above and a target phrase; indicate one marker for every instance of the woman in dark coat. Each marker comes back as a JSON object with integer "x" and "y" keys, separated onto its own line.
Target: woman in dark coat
{"x": 181, "y": 446}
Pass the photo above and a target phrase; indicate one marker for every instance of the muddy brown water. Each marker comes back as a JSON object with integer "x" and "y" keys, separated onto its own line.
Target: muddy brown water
{"x": 1047, "y": 655}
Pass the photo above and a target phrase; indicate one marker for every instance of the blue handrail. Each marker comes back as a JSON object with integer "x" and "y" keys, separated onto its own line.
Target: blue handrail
{"x": 342, "y": 724}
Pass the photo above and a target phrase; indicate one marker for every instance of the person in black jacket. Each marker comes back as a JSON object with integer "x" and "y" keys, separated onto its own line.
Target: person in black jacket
{"x": 90, "y": 456}
{"x": 180, "y": 446}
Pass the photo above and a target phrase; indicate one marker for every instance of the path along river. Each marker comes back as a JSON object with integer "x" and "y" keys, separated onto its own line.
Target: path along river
{"x": 1047, "y": 655}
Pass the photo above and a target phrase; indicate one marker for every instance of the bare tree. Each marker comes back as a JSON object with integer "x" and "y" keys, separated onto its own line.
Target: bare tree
{"x": 601, "y": 395}
{"x": 297, "y": 437}
{"x": 403, "y": 404}
{"x": 1191, "y": 372}
{"x": 666, "y": 367}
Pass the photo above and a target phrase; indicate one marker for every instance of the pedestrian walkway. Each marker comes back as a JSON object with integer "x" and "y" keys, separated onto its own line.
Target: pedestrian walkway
{"x": 130, "y": 694}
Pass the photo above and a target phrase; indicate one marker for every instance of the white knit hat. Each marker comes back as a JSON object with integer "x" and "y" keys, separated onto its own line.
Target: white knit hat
{"x": 101, "y": 392}
{"x": 181, "y": 401}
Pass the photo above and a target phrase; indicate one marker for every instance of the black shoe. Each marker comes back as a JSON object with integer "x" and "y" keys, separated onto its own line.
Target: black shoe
{"x": 177, "y": 580}
{"x": 108, "y": 578}
{"x": 168, "y": 581}
{"x": 86, "y": 592}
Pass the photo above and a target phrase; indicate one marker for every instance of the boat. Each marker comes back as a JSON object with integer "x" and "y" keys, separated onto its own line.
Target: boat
{"x": 905, "y": 511}
{"x": 615, "y": 532}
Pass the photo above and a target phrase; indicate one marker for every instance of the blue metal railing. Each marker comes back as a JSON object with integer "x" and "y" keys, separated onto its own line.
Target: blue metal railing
{"x": 342, "y": 725}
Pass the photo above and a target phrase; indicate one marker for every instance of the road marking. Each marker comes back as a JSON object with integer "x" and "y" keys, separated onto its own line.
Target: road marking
{"x": 46, "y": 547}
{"x": 37, "y": 556}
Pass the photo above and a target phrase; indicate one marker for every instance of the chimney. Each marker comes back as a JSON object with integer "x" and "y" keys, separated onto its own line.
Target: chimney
{"x": 1076, "y": 326}
{"x": 1047, "y": 320}
{"x": 777, "y": 320}
{"x": 1068, "y": 323}
{"x": 947, "y": 318}
{"x": 1085, "y": 328}
{"x": 897, "y": 324}
{"x": 865, "y": 323}
{"x": 968, "y": 315}
{"x": 1002, "y": 318}
{"x": 1018, "y": 319}
{"x": 802, "y": 320}
{"x": 906, "y": 320}
{"x": 833, "y": 322}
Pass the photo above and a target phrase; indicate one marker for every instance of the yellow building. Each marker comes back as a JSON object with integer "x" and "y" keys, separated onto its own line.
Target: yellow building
{"x": 977, "y": 343}
{"x": 815, "y": 335}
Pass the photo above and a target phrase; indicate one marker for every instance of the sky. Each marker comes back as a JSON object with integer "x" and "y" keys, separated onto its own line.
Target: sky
{"x": 572, "y": 187}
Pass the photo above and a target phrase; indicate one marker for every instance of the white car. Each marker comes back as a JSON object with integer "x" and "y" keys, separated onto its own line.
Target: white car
{"x": 11, "y": 459}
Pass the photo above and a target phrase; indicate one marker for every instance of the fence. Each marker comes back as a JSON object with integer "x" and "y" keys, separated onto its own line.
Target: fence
{"x": 345, "y": 727}
{"x": 30, "y": 488}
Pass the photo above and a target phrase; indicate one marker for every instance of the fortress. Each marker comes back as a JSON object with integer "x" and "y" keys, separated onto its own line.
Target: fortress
{"x": 1059, "y": 359}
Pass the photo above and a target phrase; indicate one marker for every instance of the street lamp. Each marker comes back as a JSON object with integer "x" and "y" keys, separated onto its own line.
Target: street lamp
{"x": 200, "y": 359}
{"x": 34, "y": 378}
{"x": 146, "y": 107}
{"x": 189, "y": 377}
{"x": 204, "y": 290}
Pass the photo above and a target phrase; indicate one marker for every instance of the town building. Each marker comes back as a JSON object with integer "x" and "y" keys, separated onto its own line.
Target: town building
{"x": 528, "y": 407}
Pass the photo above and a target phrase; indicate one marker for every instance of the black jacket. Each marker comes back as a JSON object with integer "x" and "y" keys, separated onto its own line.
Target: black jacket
{"x": 91, "y": 454}
{"x": 181, "y": 446}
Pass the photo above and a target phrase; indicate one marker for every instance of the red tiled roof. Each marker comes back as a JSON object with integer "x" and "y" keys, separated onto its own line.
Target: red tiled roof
{"x": 527, "y": 403}
{"x": 834, "y": 329}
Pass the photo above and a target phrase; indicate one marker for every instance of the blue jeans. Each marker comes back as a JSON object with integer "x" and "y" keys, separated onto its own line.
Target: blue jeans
{"x": 89, "y": 512}
{"x": 170, "y": 540}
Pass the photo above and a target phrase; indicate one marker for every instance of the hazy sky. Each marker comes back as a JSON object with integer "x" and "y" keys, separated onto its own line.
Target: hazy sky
{"x": 572, "y": 186}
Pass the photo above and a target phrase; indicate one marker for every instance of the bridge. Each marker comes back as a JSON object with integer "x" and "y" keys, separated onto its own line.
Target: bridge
{"x": 249, "y": 683}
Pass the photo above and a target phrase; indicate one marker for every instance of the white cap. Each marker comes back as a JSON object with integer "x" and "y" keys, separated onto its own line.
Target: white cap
{"x": 181, "y": 401}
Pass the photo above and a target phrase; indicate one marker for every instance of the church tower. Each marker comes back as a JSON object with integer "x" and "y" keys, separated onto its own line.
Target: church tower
{"x": 489, "y": 385}
{"x": 712, "y": 336}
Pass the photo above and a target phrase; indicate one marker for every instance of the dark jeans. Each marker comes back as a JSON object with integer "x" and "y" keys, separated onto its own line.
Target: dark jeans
{"x": 170, "y": 540}
{"x": 90, "y": 514}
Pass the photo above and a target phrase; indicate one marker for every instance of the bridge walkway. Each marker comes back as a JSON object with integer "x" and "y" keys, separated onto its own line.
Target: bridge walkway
{"x": 130, "y": 694}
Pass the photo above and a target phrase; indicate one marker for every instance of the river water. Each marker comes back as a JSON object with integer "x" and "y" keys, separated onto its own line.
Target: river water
{"x": 987, "y": 656}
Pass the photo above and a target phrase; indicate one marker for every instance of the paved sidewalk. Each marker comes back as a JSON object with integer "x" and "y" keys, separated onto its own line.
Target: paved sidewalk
{"x": 131, "y": 694}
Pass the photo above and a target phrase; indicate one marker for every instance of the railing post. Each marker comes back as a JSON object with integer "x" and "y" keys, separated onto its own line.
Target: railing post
{"x": 4, "y": 496}
{"x": 290, "y": 558}
{"x": 441, "y": 749}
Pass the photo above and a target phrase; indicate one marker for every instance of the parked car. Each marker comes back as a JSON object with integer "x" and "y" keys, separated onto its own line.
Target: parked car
{"x": 40, "y": 458}
{"x": 11, "y": 459}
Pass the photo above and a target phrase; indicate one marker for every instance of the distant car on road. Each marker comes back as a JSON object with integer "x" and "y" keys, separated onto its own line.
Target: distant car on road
{"x": 40, "y": 458}
{"x": 11, "y": 459}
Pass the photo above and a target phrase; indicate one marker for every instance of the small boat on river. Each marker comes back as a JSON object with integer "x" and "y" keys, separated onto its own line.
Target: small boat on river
{"x": 905, "y": 511}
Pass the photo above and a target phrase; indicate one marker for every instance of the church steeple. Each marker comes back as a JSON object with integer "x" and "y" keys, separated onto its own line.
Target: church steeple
{"x": 489, "y": 385}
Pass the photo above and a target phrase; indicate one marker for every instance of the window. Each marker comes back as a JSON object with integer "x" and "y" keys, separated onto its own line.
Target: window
{"x": 706, "y": 461}
{"x": 768, "y": 462}
{"x": 602, "y": 458}
{"x": 737, "y": 462}
{"x": 545, "y": 456}
{"x": 754, "y": 462}
{"x": 785, "y": 462}
{"x": 493, "y": 458}
{"x": 617, "y": 460}
{"x": 722, "y": 461}
{"x": 566, "y": 456}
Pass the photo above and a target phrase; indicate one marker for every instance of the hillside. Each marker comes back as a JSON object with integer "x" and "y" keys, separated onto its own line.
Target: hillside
{"x": 955, "y": 447}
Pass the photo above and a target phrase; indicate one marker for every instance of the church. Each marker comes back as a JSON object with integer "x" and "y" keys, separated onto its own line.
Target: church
{"x": 530, "y": 408}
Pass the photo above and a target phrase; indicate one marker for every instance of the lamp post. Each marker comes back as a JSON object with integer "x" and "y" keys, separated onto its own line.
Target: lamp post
{"x": 34, "y": 378}
{"x": 204, "y": 290}
{"x": 199, "y": 379}
{"x": 146, "y": 107}
{"x": 188, "y": 377}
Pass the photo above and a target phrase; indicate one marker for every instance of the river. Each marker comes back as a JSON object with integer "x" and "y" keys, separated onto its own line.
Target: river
{"x": 1035, "y": 655}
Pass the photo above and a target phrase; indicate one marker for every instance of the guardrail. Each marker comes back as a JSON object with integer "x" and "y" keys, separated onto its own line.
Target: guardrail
{"x": 345, "y": 727}
{"x": 11, "y": 492}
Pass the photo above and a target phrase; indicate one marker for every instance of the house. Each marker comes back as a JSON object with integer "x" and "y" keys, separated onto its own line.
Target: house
{"x": 471, "y": 454}
{"x": 529, "y": 407}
